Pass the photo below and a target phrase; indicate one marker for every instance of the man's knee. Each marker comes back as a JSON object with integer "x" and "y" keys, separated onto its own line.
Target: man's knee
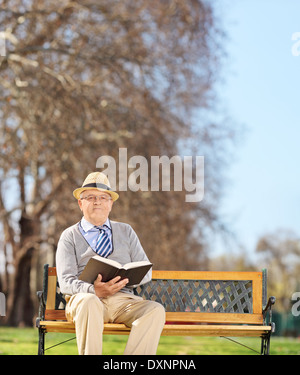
{"x": 91, "y": 301}
{"x": 158, "y": 311}
{"x": 161, "y": 311}
{"x": 86, "y": 303}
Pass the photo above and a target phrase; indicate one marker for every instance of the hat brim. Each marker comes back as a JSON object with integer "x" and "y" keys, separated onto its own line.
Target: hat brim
{"x": 77, "y": 192}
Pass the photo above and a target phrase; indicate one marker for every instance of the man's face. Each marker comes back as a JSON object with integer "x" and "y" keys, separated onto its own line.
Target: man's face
{"x": 95, "y": 210}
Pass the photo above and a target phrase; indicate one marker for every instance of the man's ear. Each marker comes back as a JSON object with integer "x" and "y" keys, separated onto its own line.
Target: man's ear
{"x": 80, "y": 204}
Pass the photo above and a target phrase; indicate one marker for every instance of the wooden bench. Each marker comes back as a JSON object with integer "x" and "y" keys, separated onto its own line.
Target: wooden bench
{"x": 197, "y": 303}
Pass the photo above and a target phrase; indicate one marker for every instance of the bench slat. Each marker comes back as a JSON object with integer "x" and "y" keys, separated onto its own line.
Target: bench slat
{"x": 51, "y": 295}
{"x": 169, "y": 329}
{"x": 186, "y": 317}
{"x": 206, "y": 275}
{"x": 215, "y": 330}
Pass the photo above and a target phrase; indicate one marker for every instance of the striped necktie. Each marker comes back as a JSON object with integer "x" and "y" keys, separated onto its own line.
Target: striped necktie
{"x": 103, "y": 244}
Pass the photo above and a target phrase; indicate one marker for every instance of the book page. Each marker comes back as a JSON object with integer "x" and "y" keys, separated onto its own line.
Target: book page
{"x": 126, "y": 266}
{"x": 108, "y": 261}
{"x": 136, "y": 264}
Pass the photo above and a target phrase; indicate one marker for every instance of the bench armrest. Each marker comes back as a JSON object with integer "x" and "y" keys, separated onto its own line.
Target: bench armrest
{"x": 42, "y": 307}
{"x": 268, "y": 310}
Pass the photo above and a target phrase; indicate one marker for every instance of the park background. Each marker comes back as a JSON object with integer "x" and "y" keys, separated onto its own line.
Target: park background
{"x": 212, "y": 78}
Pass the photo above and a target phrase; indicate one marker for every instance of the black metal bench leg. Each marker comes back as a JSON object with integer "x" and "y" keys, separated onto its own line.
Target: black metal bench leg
{"x": 41, "y": 345}
{"x": 265, "y": 341}
{"x": 265, "y": 345}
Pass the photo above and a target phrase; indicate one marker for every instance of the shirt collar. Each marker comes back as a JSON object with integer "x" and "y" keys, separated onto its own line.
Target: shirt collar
{"x": 86, "y": 225}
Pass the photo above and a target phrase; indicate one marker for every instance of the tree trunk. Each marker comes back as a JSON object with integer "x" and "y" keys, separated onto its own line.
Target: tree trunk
{"x": 20, "y": 304}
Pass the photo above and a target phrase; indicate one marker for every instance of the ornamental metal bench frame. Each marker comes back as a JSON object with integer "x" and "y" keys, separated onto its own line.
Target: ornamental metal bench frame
{"x": 197, "y": 303}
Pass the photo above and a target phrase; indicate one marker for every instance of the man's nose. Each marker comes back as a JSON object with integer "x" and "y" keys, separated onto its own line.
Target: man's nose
{"x": 97, "y": 200}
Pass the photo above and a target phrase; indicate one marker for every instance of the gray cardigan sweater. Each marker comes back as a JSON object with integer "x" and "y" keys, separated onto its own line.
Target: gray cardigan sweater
{"x": 73, "y": 253}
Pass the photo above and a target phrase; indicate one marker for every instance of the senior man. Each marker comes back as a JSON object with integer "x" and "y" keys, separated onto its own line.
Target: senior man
{"x": 89, "y": 306}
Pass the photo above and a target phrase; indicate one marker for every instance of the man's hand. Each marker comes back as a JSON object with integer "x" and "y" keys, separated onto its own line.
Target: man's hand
{"x": 110, "y": 287}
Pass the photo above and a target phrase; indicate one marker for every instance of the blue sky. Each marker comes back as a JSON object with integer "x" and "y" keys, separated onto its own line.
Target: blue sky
{"x": 261, "y": 90}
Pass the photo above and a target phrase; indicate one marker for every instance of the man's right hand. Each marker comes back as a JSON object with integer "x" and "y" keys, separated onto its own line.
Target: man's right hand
{"x": 110, "y": 287}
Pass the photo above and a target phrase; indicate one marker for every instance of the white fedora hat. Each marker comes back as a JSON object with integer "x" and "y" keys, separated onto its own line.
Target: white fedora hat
{"x": 99, "y": 181}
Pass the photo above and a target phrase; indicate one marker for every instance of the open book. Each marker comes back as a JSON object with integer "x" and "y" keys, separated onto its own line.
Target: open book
{"x": 108, "y": 268}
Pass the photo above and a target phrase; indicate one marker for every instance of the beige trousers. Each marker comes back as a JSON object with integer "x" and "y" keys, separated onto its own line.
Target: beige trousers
{"x": 89, "y": 313}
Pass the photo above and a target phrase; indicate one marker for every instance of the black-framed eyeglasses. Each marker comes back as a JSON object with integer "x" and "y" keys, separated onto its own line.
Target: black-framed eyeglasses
{"x": 94, "y": 198}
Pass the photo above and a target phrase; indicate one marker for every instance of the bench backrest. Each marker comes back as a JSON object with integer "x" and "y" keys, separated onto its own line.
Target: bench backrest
{"x": 188, "y": 296}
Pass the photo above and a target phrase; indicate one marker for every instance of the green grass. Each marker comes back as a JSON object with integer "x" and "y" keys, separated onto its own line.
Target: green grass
{"x": 24, "y": 341}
